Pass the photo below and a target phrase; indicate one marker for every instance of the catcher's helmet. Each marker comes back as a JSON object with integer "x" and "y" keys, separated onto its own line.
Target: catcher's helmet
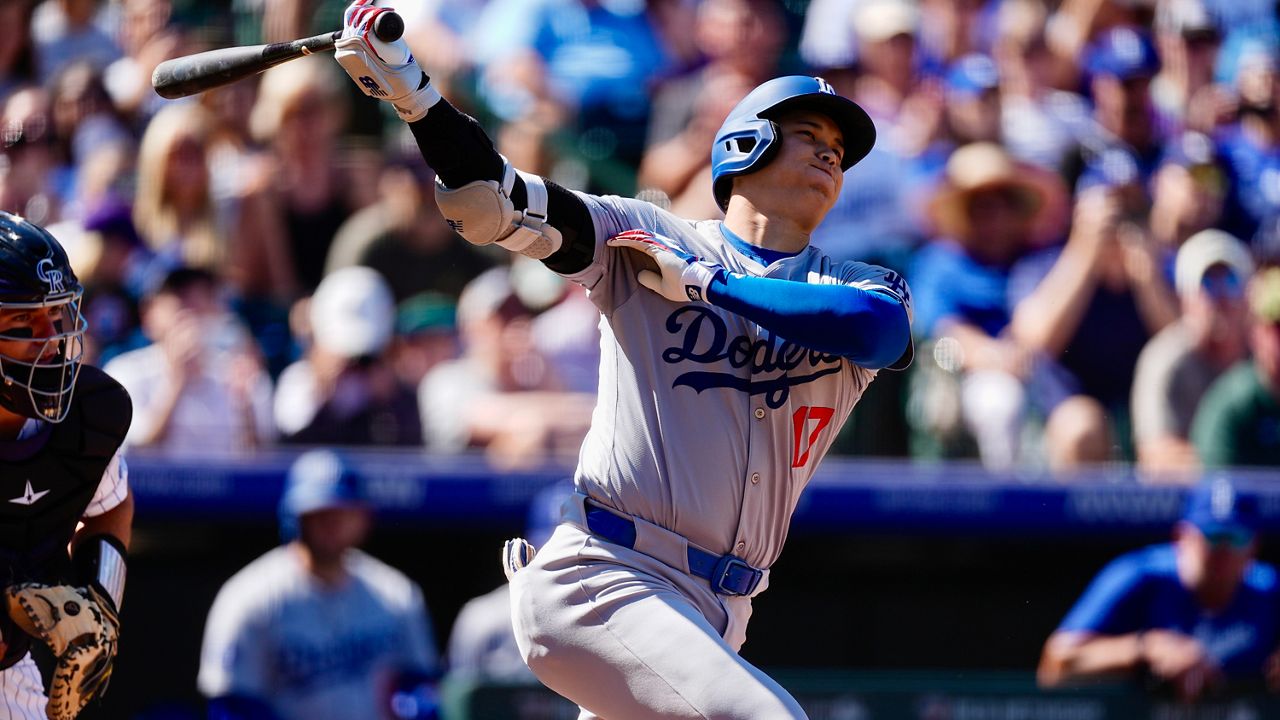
{"x": 318, "y": 480}
{"x": 747, "y": 139}
{"x": 35, "y": 275}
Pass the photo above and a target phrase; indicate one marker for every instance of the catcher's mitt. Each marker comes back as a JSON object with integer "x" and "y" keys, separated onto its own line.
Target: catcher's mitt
{"x": 80, "y": 626}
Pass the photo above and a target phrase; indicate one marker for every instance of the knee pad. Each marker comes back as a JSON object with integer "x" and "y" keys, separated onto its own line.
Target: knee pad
{"x": 482, "y": 213}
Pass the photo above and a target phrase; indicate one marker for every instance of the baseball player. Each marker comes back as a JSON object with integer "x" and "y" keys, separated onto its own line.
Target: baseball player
{"x": 731, "y": 353}
{"x": 316, "y": 629}
{"x": 61, "y": 427}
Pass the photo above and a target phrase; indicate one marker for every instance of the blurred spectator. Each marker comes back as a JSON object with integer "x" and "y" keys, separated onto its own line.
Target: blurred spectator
{"x": 199, "y": 387}
{"x": 84, "y": 121}
{"x": 68, "y": 30}
{"x": 27, "y": 162}
{"x": 111, "y": 266}
{"x": 1195, "y": 616}
{"x": 482, "y": 645}
{"x": 1250, "y": 65}
{"x": 1182, "y": 92}
{"x": 300, "y": 114}
{"x": 988, "y": 213}
{"x": 1041, "y": 113}
{"x": 1181, "y": 361}
{"x": 1238, "y": 422}
{"x": 316, "y": 629}
{"x": 1187, "y": 191}
{"x": 594, "y": 60}
{"x": 501, "y": 394}
{"x": 146, "y": 39}
{"x": 174, "y": 209}
{"x": 1091, "y": 305}
{"x": 1120, "y": 66}
{"x": 344, "y": 391}
{"x": 405, "y": 238}
{"x": 426, "y": 335}
{"x": 17, "y": 51}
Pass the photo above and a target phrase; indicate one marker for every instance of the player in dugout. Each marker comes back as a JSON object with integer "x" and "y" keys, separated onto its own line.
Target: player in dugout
{"x": 732, "y": 352}
{"x": 1194, "y": 617}
{"x": 65, "y": 484}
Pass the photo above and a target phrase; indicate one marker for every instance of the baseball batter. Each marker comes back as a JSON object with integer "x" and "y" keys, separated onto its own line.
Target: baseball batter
{"x": 732, "y": 352}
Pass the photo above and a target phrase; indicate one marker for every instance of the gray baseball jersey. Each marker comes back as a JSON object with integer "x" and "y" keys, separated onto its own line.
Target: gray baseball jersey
{"x": 707, "y": 426}
{"x": 276, "y": 633}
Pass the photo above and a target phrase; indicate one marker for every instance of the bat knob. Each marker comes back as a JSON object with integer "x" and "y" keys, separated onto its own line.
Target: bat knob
{"x": 388, "y": 27}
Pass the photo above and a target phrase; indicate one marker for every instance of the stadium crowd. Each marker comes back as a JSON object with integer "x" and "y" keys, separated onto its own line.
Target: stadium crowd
{"x": 1083, "y": 194}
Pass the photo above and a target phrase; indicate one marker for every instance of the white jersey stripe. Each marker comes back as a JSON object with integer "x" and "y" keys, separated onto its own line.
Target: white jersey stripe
{"x": 113, "y": 489}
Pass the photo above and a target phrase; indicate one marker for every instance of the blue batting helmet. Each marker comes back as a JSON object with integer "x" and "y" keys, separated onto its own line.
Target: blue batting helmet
{"x": 318, "y": 480}
{"x": 747, "y": 139}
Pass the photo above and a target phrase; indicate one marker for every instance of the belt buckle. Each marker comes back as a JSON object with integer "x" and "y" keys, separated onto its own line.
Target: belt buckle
{"x": 728, "y": 579}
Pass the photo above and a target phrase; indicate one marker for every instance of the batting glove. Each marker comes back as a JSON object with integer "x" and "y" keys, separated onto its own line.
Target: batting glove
{"x": 403, "y": 84}
{"x": 681, "y": 277}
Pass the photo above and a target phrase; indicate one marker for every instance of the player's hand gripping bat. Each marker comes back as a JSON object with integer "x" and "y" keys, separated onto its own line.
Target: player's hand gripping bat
{"x": 191, "y": 74}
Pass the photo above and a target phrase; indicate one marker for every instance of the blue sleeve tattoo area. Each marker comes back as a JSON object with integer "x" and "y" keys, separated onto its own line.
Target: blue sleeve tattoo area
{"x": 868, "y": 327}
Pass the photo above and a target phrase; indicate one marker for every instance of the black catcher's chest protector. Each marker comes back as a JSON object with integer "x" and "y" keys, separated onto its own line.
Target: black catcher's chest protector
{"x": 47, "y": 481}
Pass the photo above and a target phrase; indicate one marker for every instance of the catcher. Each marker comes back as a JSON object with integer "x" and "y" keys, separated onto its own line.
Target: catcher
{"x": 66, "y": 516}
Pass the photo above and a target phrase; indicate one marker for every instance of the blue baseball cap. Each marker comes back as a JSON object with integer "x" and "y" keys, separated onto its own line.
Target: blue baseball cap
{"x": 1218, "y": 510}
{"x": 972, "y": 74}
{"x": 319, "y": 480}
{"x": 1113, "y": 167}
{"x": 1124, "y": 53}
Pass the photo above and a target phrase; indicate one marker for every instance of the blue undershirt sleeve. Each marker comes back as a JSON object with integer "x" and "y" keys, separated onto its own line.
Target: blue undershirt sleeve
{"x": 868, "y": 327}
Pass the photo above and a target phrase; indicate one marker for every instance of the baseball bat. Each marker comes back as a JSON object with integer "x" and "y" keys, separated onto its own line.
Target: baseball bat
{"x": 191, "y": 74}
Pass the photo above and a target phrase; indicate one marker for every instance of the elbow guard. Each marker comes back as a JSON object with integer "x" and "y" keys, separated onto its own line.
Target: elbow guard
{"x": 482, "y": 212}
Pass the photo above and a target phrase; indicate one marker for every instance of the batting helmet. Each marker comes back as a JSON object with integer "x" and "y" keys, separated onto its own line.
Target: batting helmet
{"x": 318, "y": 480}
{"x": 748, "y": 138}
{"x": 35, "y": 274}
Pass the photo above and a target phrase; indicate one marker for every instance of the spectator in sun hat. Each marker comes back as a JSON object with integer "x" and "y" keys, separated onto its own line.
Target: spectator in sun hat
{"x": 344, "y": 390}
{"x": 989, "y": 212}
{"x": 1238, "y": 422}
{"x": 1179, "y": 364}
{"x": 1194, "y": 617}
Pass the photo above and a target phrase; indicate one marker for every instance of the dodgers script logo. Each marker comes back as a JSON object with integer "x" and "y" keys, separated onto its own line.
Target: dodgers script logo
{"x": 704, "y": 339}
{"x": 50, "y": 275}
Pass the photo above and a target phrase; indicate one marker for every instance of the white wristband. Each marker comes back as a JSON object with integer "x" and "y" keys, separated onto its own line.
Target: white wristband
{"x": 697, "y": 277}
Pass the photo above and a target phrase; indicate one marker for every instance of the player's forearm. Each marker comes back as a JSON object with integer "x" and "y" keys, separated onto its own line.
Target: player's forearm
{"x": 870, "y": 328}
{"x": 1068, "y": 660}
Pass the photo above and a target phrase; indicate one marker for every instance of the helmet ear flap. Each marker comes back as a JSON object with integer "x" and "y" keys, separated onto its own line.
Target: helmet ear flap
{"x": 742, "y": 152}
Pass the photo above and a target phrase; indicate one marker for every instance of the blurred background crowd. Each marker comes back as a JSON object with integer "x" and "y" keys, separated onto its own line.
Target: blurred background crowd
{"x": 1084, "y": 196}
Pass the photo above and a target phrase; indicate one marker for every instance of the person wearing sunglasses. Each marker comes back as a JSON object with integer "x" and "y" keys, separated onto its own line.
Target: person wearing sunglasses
{"x": 1178, "y": 365}
{"x": 1192, "y": 617}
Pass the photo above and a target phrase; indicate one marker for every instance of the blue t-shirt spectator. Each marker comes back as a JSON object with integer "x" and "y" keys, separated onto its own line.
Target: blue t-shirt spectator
{"x": 1141, "y": 591}
{"x": 1253, "y": 173}
{"x": 950, "y": 283}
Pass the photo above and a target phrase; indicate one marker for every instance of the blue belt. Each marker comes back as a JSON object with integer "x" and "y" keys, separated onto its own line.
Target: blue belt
{"x": 728, "y": 574}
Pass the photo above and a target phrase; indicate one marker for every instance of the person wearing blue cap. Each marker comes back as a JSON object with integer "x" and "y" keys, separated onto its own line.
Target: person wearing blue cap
{"x": 315, "y": 628}
{"x": 1195, "y": 616}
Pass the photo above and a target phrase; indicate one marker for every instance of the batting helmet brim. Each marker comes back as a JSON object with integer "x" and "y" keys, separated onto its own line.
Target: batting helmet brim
{"x": 855, "y": 125}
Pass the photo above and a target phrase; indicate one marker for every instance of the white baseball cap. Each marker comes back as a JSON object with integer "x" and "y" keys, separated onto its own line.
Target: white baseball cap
{"x": 882, "y": 19}
{"x": 1204, "y": 250}
{"x": 353, "y": 312}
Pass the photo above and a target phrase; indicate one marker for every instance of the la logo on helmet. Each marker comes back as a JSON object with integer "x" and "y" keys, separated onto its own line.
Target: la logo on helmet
{"x": 50, "y": 275}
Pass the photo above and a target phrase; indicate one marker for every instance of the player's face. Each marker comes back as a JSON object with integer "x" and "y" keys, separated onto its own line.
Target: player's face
{"x": 1213, "y": 566}
{"x": 331, "y": 532}
{"x": 804, "y": 179}
{"x": 24, "y": 332}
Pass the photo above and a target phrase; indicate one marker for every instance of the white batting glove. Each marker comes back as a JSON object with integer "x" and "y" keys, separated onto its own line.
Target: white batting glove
{"x": 404, "y": 85}
{"x": 681, "y": 278}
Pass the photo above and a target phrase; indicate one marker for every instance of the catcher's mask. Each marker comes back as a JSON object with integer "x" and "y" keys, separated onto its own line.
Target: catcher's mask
{"x": 748, "y": 139}
{"x": 41, "y": 326}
